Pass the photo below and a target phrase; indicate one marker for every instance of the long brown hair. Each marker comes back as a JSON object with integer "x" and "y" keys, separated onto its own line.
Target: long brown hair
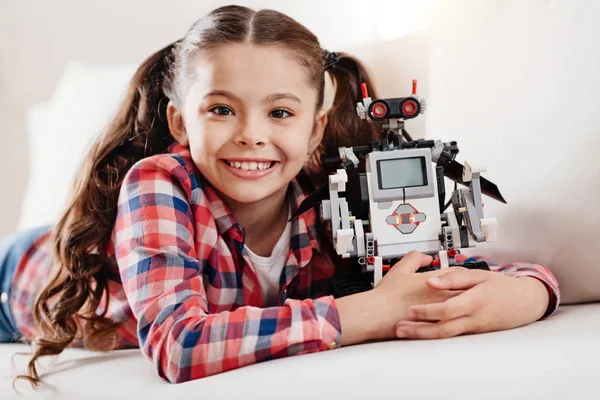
{"x": 69, "y": 305}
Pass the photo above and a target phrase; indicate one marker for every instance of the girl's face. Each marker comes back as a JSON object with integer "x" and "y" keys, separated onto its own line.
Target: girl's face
{"x": 249, "y": 119}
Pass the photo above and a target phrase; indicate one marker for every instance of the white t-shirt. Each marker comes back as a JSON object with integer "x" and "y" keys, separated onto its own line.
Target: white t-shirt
{"x": 268, "y": 269}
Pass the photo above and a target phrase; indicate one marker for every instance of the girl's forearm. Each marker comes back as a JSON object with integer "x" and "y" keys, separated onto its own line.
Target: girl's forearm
{"x": 359, "y": 318}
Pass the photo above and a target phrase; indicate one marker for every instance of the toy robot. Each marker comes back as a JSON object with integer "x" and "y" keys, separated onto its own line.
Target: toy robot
{"x": 398, "y": 204}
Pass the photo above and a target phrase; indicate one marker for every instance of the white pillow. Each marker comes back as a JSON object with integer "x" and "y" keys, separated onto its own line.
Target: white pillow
{"x": 516, "y": 85}
{"x": 61, "y": 131}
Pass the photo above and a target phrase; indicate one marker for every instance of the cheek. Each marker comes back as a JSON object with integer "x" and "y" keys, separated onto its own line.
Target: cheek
{"x": 204, "y": 142}
{"x": 295, "y": 143}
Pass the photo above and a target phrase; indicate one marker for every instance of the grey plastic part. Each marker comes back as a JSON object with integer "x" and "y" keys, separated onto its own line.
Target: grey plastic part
{"x": 419, "y": 192}
{"x": 370, "y": 244}
{"x": 472, "y": 217}
{"x": 326, "y": 210}
{"x": 344, "y": 214}
{"x": 436, "y": 151}
{"x": 476, "y": 191}
{"x": 384, "y": 205}
{"x": 457, "y": 236}
{"x": 464, "y": 238}
{"x": 448, "y": 243}
{"x": 335, "y": 209}
{"x": 349, "y": 154}
{"x": 345, "y": 217}
{"x": 364, "y": 187}
{"x": 447, "y": 238}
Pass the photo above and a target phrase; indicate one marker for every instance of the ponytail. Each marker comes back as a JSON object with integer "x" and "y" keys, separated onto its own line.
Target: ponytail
{"x": 82, "y": 236}
{"x": 344, "y": 126}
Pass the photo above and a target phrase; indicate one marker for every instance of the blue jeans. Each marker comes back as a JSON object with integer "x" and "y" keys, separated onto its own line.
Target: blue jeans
{"x": 12, "y": 249}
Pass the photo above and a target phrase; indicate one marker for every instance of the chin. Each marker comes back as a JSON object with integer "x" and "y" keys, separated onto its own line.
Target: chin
{"x": 250, "y": 193}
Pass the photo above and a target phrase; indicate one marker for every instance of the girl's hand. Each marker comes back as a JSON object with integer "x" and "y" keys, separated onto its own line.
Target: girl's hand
{"x": 374, "y": 314}
{"x": 491, "y": 301}
{"x": 402, "y": 288}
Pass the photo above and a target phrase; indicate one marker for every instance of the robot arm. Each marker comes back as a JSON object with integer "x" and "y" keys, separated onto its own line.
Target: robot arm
{"x": 468, "y": 207}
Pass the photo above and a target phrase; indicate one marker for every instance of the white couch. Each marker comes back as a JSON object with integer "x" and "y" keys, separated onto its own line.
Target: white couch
{"x": 494, "y": 74}
{"x": 552, "y": 359}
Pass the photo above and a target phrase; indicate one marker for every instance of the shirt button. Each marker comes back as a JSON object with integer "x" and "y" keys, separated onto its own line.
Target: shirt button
{"x": 332, "y": 345}
{"x": 4, "y": 298}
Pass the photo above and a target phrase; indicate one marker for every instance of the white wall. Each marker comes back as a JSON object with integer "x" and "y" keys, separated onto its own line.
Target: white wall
{"x": 516, "y": 84}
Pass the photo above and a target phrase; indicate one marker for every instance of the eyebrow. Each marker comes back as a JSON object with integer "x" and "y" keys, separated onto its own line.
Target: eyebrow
{"x": 269, "y": 99}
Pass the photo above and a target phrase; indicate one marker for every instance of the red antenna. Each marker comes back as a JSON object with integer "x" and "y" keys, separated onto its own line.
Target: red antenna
{"x": 363, "y": 88}
{"x": 414, "y": 91}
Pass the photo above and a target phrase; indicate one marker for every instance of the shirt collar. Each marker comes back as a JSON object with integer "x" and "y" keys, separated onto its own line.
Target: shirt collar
{"x": 303, "y": 226}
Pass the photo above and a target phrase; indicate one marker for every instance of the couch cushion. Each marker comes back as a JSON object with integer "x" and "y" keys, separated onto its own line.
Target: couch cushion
{"x": 556, "y": 358}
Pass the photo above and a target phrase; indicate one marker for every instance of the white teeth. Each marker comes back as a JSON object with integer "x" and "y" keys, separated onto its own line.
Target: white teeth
{"x": 250, "y": 166}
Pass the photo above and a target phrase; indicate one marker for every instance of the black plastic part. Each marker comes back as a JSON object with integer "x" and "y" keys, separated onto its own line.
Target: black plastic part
{"x": 314, "y": 199}
{"x": 469, "y": 265}
{"x": 439, "y": 172}
{"x": 395, "y": 139}
{"x": 476, "y": 265}
{"x": 427, "y": 269}
{"x": 345, "y": 285}
{"x": 464, "y": 236}
{"x": 348, "y": 164}
{"x": 364, "y": 188}
{"x": 418, "y": 144}
{"x": 453, "y": 170}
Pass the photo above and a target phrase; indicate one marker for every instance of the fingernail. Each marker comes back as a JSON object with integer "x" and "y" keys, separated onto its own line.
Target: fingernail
{"x": 401, "y": 334}
{"x": 435, "y": 280}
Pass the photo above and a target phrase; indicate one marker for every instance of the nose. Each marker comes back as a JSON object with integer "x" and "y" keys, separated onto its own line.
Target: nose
{"x": 252, "y": 133}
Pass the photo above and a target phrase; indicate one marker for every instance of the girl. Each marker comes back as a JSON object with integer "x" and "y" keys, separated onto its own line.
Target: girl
{"x": 177, "y": 237}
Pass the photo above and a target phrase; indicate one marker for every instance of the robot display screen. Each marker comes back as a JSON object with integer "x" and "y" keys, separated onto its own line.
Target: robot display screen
{"x": 402, "y": 173}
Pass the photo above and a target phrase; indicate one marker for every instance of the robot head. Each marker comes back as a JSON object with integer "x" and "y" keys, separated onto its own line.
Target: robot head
{"x": 396, "y": 108}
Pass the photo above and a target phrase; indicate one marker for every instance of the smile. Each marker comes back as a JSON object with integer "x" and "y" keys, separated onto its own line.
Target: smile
{"x": 250, "y": 169}
{"x": 250, "y": 165}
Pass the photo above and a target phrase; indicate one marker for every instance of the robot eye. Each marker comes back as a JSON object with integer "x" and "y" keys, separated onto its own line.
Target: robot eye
{"x": 379, "y": 110}
{"x": 409, "y": 108}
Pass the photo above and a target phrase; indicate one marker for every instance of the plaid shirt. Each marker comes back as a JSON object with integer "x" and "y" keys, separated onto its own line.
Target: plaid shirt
{"x": 189, "y": 296}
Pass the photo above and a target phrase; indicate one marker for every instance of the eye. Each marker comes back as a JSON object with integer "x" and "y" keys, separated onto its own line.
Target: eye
{"x": 221, "y": 110}
{"x": 280, "y": 113}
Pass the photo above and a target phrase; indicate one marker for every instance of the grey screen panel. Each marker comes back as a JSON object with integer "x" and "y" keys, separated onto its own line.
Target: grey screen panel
{"x": 402, "y": 173}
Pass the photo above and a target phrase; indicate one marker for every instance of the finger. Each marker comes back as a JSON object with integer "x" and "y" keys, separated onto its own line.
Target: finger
{"x": 439, "y": 271}
{"x": 461, "y": 279}
{"x": 413, "y": 261}
{"x": 403, "y": 328}
{"x": 440, "y": 296}
{"x": 430, "y": 330}
{"x": 458, "y": 306}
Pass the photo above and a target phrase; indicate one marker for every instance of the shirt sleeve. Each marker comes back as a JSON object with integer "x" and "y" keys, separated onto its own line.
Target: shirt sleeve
{"x": 161, "y": 266}
{"x": 525, "y": 269}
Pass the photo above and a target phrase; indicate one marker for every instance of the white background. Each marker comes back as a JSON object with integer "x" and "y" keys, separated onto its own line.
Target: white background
{"x": 514, "y": 82}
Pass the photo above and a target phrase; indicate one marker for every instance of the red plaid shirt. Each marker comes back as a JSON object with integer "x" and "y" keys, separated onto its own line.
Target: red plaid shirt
{"x": 189, "y": 296}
